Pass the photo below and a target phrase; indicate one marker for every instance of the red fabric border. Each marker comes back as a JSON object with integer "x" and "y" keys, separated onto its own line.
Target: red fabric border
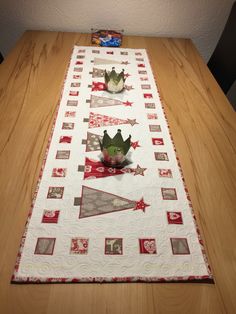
{"x": 184, "y": 279}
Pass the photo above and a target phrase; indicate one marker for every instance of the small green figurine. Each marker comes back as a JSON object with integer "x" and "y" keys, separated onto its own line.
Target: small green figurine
{"x": 114, "y": 149}
{"x": 114, "y": 81}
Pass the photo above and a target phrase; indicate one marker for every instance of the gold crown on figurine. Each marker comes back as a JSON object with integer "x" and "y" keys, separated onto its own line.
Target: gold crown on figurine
{"x": 114, "y": 81}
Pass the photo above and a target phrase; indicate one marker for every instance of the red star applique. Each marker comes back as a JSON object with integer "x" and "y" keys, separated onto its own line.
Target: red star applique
{"x": 141, "y": 205}
{"x": 126, "y": 75}
{"x": 127, "y": 103}
{"x": 135, "y": 144}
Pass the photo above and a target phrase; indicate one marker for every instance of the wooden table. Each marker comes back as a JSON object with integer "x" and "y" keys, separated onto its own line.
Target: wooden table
{"x": 203, "y": 125}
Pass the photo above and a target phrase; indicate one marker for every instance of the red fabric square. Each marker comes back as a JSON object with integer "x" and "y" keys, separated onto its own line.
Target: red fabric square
{"x": 147, "y": 246}
{"x": 174, "y": 218}
{"x": 50, "y": 216}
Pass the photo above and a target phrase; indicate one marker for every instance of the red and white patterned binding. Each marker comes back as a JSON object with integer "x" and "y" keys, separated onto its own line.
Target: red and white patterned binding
{"x": 138, "y": 213}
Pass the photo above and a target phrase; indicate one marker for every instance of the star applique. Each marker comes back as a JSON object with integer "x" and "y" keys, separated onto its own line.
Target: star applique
{"x": 135, "y": 144}
{"x": 127, "y": 103}
{"x": 131, "y": 122}
{"x": 125, "y": 62}
{"x": 128, "y": 87}
{"x": 126, "y": 75}
{"x": 141, "y": 205}
{"x": 138, "y": 170}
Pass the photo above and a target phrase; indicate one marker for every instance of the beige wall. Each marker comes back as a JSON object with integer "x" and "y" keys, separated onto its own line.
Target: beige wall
{"x": 200, "y": 20}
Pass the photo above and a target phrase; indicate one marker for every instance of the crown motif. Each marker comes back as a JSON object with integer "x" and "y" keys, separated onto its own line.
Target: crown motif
{"x": 114, "y": 81}
{"x": 114, "y": 149}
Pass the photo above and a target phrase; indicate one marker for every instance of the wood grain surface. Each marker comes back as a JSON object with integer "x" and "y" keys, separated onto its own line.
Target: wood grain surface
{"x": 203, "y": 125}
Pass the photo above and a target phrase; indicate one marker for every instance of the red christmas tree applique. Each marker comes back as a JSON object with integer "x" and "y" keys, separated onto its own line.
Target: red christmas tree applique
{"x": 101, "y": 86}
{"x": 98, "y": 120}
{"x": 95, "y": 169}
{"x": 98, "y": 86}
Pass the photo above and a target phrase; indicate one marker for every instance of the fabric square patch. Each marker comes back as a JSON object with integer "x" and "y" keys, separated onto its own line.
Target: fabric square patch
{"x": 157, "y": 141}
{"x": 152, "y": 116}
{"x": 144, "y": 78}
{"x": 110, "y": 52}
{"x": 147, "y": 246}
{"x": 50, "y": 216}
{"x": 179, "y": 246}
{"x": 74, "y": 93}
{"x": 63, "y": 154}
{"x": 80, "y": 57}
{"x": 147, "y": 96}
{"x": 78, "y": 69}
{"x": 75, "y": 84}
{"x": 79, "y": 62}
{"x": 79, "y": 246}
{"x": 65, "y": 139}
{"x": 124, "y": 53}
{"x": 150, "y": 106}
{"x": 140, "y": 59}
{"x": 76, "y": 76}
{"x": 59, "y": 172}
{"x": 169, "y": 194}
{"x": 161, "y": 156}
{"x": 165, "y": 173}
{"x": 73, "y": 103}
{"x": 45, "y": 246}
{"x": 141, "y": 65}
{"x": 95, "y": 51}
{"x": 68, "y": 126}
{"x": 154, "y": 128}
{"x": 174, "y": 218}
{"x": 113, "y": 246}
{"x": 70, "y": 114}
{"x": 77, "y": 201}
{"x": 142, "y": 72}
{"x": 55, "y": 192}
{"x": 81, "y": 51}
{"x": 146, "y": 86}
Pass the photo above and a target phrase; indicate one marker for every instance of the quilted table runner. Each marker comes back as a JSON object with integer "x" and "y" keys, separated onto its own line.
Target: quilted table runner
{"x": 93, "y": 223}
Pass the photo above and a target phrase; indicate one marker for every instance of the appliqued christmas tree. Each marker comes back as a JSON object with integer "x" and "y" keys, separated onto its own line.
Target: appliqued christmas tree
{"x": 98, "y": 120}
{"x": 92, "y": 142}
{"x": 97, "y": 72}
{"x": 96, "y": 169}
{"x": 101, "y": 86}
{"x": 99, "y": 101}
{"x": 98, "y": 86}
{"x": 101, "y": 61}
{"x": 96, "y": 202}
